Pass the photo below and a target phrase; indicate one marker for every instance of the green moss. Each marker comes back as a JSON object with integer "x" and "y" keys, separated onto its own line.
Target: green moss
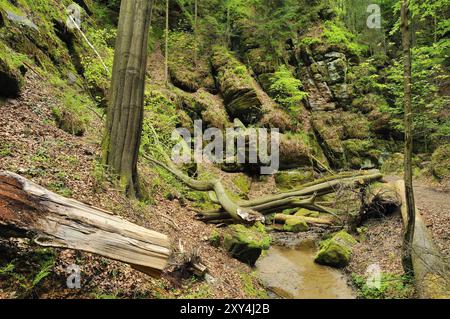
{"x": 246, "y": 243}
{"x": 391, "y": 287}
{"x": 336, "y": 251}
{"x": 303, "y": 212}
{"x": 440, "y": 161}
{"x": 214, "y": 238}
{"x": 72, "y": 114}
{"x": 242, "y": 182}
{"x": 185, "y": 72}
{"x": 293, "y": 178}
{"x": 295, "y": 225}
{"x": 5, "y": 150}
{"x": 250, "y": 287}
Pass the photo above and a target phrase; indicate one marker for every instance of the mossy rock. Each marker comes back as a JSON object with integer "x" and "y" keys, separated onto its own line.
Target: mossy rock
{"x": 303, "y": 212}
{"x": 295, "y": 225}
{"x": 12, "y": 71}
{"x": 360, "y": 154}
{"x": 246, "y": 243}
{"x": 214, "y": 238}
{"x": 293, "y": 178}
{"x": 186, "y": 73}
{"x": 243, "y": 183}
{"x": 236, "y": 86}
{"x": 260, "y": 61}
{"x": 440, "y": 161}
{"x": 69, "y": 121}
{"x": 336, "y": 251}
{"x": 295, "y": 151}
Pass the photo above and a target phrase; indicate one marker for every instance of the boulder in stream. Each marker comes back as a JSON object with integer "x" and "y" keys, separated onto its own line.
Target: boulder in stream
{"x": 246, "y": 243}
{"x": 336, "y": 251}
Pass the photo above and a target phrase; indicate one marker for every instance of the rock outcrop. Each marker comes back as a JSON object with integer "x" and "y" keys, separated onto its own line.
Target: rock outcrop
{"x": 236, "y": 87}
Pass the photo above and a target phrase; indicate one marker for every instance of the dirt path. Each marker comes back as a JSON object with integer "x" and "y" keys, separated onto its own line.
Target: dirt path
{"x": 434, "y": 205}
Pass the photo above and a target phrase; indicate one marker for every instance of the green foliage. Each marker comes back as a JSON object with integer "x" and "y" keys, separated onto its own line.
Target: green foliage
{"x": 72, "y": 115}
{"x": 97, "y": 77}
{"x": 336, "y": 34}
{"x": 160, "y": 119}
{"x": 5, "y": 150}
{"x": 392, "y": 287}
{"x": 430, "y": 120}
{"x": 286, "y": 89}
{"x": 27, "y": 275}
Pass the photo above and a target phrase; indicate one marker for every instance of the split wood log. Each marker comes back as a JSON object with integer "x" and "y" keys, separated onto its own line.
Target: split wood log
{"x": 29, "y": 210}
{"x": 282, "y": 218}
{"x": 431, "y": 272}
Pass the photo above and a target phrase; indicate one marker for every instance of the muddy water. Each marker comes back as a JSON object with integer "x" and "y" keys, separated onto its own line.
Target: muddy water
{"x": 292, "y": 273}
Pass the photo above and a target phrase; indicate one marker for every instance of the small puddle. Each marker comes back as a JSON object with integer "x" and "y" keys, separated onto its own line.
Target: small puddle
{"x": 292, "y": 273}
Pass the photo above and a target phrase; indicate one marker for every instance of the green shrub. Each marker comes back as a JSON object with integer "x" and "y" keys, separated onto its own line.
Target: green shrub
{"x": 286, "y": 89}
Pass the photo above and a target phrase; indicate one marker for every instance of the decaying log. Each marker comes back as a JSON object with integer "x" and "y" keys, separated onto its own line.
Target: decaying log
{"x": 29, "y": 210}
{"x": 282, "y": 218}
{"x": 431, "y": 272}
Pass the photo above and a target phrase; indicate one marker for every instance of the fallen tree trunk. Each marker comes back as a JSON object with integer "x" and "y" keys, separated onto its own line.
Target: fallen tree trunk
{"x": 431, "y": 273}
{"x": 29, "y": 210}
{"x": 238, "y": 213}
{"x": 249, "y": 211}
{"x": 282, "y": 218}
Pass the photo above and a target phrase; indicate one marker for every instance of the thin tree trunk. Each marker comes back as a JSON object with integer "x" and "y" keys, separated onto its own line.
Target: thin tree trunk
{"x": 195, "y": 31}
{"x": 125, "y": 113}
{"x": 167, "y": 44}
{"x": 410, "y": 206}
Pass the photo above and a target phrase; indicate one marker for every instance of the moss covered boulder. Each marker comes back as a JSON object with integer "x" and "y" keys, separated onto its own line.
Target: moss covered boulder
{"x": 11, "y": 72}
{"x": 295, "y": 151}
{"x": 204, "y": 106}
{"x": 186, "y": 72}
{"x": 440, "y": 161}
{"x": 236, "y": 86}
{"x": 246, "y": 243}
{"x": 293, "y": 178}
{"x": 295, "y": 225}
{"x": 335, "y": 127}
{"x": 336, "y": 251}
{"x": 11, "y": 80}
{"x": 303, "y": 212}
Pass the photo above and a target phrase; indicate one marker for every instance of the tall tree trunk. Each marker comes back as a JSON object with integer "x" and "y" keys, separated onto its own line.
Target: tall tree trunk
{"x": 410, "y": 205}
{"x": 125, "y": 113}
{"x": 167, "y": 44}
{"x": 195, "y": 31}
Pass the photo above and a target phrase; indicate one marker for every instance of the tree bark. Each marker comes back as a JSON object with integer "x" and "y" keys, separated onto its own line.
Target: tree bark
{"x": 282, "y": 218}
{"x": 409, "y": 229}
{"x": 29, "y": 210}
{"x": 167, "y": 44}
{"x": 125, "y": 113}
